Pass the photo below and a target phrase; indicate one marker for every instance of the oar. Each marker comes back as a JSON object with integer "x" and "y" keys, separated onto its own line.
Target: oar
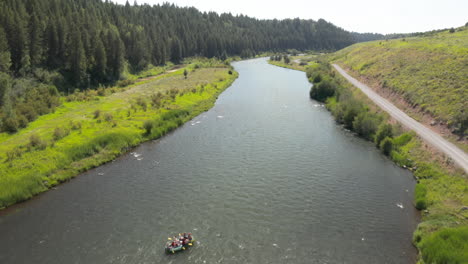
{"x": 169, "y": 238}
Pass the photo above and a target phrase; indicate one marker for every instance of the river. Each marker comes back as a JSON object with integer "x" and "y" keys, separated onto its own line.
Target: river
{"x": 265, "y": 176}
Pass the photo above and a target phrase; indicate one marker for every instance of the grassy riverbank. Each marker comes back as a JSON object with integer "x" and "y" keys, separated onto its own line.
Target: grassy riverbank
{"x": 95, "y": 127}
{"x": 441, "y": 192}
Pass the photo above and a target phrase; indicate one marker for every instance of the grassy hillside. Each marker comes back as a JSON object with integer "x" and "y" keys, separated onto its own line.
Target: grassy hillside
{"x": 430, "y": 72}
{"x": 94, "y": 127}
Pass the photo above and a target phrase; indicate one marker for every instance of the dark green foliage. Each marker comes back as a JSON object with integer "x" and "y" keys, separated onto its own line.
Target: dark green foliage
{"x": 322, "y": 90}
{"x": 446, "y": 246}
{"x": 185, "y": 73}
{"x": 385, "y": 130}
{"x": 452, "y": 30}
{"x": 5, "y": 56}
{"x": 365, "y": 124}
{"x": 386, "y": 146}
{"x": 96, "y": 114}
{"x": 148, "y": 126}
{"x": 420, "y": 196}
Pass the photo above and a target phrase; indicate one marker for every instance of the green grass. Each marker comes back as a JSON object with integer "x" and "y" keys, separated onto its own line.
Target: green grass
{"x": 76, "y": 140}
{"x": 429, "y": 72}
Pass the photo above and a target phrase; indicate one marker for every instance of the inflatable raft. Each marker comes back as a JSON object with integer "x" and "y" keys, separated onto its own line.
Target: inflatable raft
{"x": 179, "y": 243}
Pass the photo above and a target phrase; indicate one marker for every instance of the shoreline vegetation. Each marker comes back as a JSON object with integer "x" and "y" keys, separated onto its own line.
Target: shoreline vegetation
{"x": 441, "y": 189}
{"x": 93, "y": 127}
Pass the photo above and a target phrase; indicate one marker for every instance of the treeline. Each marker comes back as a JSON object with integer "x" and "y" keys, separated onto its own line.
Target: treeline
{"x": 61, "y": 45}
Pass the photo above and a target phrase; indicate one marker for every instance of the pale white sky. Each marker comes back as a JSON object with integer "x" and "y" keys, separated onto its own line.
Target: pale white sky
{"x": 389, "y": 16}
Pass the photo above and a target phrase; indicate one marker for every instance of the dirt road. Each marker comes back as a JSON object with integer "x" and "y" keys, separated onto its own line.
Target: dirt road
{"x": 458, "y": 155}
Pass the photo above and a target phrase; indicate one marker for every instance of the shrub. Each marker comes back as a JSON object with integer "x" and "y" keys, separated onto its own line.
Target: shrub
{"x": 97, "y": 113}
{"x": 13, "y": 153}
{"x": 101, "y": 91}
{"x": 108, "y": 117}
{"x": 125, "y": 83}
{"x": 322, "y": 91}
{"x": 385, "y": 130}
{"x": 365, "y": 124}
{"x": 185, "y": 73}
{"x": 36, "y": 142}
{"x": 452, "y": 30}
{"x": 420, "y": 196}
{"x": 230, "y": 72}
{"x": 10, "y": 125}
{"x": 148, "y": 126}
{"x": 60, "y": 133}
{"x": 75, "y": 125}
{"x": 386, "y": 146}
{"x": 141, "y": 102}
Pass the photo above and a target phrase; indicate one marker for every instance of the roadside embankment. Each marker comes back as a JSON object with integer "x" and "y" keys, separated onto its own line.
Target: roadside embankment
{"x": 92, "y": 128}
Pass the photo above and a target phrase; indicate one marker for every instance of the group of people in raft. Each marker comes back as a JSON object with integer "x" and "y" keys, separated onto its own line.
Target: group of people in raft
{"x": 183, "y": 240}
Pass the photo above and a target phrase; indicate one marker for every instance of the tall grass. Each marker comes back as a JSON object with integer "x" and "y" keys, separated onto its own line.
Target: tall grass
{"x": 446, "y": 246}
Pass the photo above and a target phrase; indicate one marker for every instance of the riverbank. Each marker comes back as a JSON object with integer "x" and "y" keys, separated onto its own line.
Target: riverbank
{"x": 92, "y": 128}
{"x": 441, "y": 190}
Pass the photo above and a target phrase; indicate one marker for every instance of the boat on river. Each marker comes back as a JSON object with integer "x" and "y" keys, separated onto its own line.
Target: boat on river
{"x": 179, "y": 243}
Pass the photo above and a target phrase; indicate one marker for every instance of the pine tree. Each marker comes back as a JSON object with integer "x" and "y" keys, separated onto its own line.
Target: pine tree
{"x": 176, "y": 50}
{"x": 100, "y": 60}
{"x": 35, "y": 41}
{"x": 5, "y": 57}
{"x": 78, "y": 60}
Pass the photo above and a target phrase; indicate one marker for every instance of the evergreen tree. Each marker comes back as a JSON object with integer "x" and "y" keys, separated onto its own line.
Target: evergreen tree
{"x": 5, "y": 60}
{"x": 78, "y": 60}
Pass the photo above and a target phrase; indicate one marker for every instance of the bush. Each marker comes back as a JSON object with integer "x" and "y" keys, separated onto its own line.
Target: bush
{"x": 385, "y": 130}
{"x": 365, "y": 124}
{"x": 97, "y": 113}
{"x": 60, "y": 133}
{"x": 108, "y": 117}
{"x": 10, "y": 125}
{"x": 36, "y": 142}
{"x": 420, "y": 196}
{"x": 13, "y": 153}
{"x": 141, "y": 102}
{"x": 125, "y": 83}
{"x": 148, "y": 126}
{"x": 446, "y": 246}
{"x": 452, "y": 30}
{"x": 386, "y": 146}
{"x": 322, "y": 91}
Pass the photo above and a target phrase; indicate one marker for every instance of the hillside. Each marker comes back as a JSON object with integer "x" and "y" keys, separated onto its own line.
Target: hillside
{"x": 429, "y": 72}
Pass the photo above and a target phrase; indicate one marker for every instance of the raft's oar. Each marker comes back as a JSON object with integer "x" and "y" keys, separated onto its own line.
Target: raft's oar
{"x": 169, "y": 238}
{"x": 189, "y": 244}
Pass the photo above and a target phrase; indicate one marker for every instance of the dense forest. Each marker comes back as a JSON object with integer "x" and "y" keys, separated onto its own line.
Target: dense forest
{"x": 53, "y": 46}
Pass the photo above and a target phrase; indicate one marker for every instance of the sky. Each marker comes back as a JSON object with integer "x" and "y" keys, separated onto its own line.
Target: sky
{"x": 377, "y": 16}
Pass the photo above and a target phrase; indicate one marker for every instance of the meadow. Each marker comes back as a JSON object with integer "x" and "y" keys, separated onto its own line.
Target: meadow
{"x": 93, "y": 127}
